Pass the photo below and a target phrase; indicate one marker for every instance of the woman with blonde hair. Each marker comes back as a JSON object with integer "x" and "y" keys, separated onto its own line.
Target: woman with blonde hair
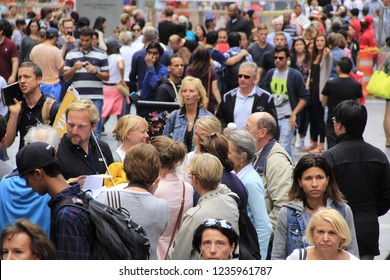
{"x": 130, "y": 130}
{"x": 193, "y": 103}
{"x": 178, "y": 194}
{"x": 328, "y": 234}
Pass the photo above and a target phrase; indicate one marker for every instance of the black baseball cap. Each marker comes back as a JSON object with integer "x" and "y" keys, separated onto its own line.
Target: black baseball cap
{"x": 33, "y": 156}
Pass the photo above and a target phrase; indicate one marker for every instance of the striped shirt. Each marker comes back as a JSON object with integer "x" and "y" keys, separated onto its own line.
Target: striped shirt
{"x": 87, "y": 84}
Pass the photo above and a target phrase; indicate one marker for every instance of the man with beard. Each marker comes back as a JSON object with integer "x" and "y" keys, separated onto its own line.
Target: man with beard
{"x": 169, "y": 86}
{"x": 79, "y": 152}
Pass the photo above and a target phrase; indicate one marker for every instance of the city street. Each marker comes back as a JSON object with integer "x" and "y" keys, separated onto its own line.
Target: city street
{"x": 374, "y": 134}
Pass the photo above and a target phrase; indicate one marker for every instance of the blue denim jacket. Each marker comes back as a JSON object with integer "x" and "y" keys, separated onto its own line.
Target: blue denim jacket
{"x": 176, "y": 125}
{"x": 291, "y": 228}
{"x": 297, "y": 228}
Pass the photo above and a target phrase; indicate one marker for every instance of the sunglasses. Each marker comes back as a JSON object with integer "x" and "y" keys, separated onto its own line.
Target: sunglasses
{"x": 136, "y": 30}
{"x": 247, "y": 77}
{"x": 218, "y": 222}
{"x": 279, "y": 57}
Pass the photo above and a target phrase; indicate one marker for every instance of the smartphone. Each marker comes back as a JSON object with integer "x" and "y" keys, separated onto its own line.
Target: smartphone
{"x": 70, "y": 33}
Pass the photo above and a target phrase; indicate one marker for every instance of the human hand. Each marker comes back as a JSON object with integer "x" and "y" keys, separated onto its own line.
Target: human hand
{"x": 79, "y": 179}
{"x": 150, "y": 59}
{"x": 244, "y": 52}
{"x": 78, "y": 65}
{"x": 15, "y": 108}
{"x": 11, "y": 80}
{"x": 292, "y": 122}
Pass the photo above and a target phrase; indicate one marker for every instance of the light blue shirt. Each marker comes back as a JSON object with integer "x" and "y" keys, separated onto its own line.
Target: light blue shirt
{"x": 257, "y": 211}
{"x": 243, "y": 108}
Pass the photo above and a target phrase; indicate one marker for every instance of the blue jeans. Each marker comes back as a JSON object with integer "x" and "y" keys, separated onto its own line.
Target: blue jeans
{"x": 52, "y": 91}
{"x": 286, "y": 135}
{"x": 99, "y": 104}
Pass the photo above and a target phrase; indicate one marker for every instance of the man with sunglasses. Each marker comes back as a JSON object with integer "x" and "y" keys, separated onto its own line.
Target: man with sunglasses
{"x": 239, "y": 103}
{"x": 290, "y": 95}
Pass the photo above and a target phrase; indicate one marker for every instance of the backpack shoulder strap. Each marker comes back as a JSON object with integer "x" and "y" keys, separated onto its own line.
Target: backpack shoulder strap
{"x": 114, "y": 199}
{"x": 47, "y": 105}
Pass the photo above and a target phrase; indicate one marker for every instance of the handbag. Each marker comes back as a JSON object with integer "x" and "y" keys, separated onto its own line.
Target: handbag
{"x": 123, "y": 89}
{"x": 379, "y": 84}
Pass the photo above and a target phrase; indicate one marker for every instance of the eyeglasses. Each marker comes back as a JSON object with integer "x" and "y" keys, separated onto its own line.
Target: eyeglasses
{"x": 215, "y": 222}
{"x": 279, "y": 57}
{"x": 247, "y": 77}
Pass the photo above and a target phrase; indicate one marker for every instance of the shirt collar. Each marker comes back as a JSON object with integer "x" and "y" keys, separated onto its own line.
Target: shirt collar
{"x": 243, "y": 171}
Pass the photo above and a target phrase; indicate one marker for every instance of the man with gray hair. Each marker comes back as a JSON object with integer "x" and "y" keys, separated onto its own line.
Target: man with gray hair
{"x": 239, "y": 103}
{"x": 273, "y": 163}
{"x": 138, "y": 63}
{"x": 14, "y": 193}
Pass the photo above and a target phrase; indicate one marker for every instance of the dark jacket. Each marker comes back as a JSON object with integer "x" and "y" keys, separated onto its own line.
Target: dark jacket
{"x": 362, "y": 173}
{"x": 240, "y": 25}
{"x": 296, "y": 87}
{"x": 74, "y": 162}
{"x": 263, "y": 102}
{"x": 165, "y": 91}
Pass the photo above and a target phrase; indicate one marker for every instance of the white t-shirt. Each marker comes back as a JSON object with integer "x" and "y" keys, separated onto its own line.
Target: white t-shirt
{"x": 295, "y": 255}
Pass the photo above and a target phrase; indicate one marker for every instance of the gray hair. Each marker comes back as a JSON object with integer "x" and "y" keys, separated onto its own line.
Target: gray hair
{"x": 42, "y": 133}
{"x": 244, "y": 142}
{"x": 248, "y": 64}
{"x": 125, "y": 37}
{"x": 150, "y": 34}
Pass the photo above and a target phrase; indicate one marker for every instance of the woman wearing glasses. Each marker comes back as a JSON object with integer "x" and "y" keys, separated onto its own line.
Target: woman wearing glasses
{"x": 215, "y": 239}
{"x": 136, "y": 29}
{"x": 314, "y": 186}
{"x": 215, "y": 202}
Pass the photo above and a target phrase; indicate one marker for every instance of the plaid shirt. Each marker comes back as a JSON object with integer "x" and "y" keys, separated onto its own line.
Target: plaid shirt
{"x": 74, "y": 231}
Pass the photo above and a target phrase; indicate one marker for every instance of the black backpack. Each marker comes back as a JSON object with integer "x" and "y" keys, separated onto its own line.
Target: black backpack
{"x": 230, "y": 75}
{"x": 248, "y": 241}
{"x": 117, "y": 236}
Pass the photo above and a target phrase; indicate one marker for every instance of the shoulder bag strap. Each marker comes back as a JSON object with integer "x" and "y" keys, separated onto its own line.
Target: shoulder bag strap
{"x": 114, "y": 199}
{"x": 177, "y": 225}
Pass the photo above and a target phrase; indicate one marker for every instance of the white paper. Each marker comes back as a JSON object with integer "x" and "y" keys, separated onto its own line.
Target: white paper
{"x": 94, "y": 183}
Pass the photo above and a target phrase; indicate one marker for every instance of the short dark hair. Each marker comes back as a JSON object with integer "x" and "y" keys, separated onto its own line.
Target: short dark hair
{"x": 345, "y": 65}
{"x": 6, "y": 27}
{"x": 234, "y": 39}
{"x": 229, "y": 233}
{"x": 83, "y": 21}
{"x": 36, "y": 69}
{"x": 86, "y": 31}
{"x": 282, "y": 49}
{"x": 155, "y": 45}
{"x": 355, "y": 12}
{"x": 212, "y": 37}
{"x": 353, "y": 116}
{"x": 169, "y": 63}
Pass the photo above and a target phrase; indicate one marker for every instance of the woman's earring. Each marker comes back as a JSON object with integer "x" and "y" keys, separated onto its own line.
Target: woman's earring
{"x": 231, "y": 256}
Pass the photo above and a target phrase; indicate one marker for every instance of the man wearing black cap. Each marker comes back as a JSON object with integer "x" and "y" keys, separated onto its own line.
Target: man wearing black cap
{"x": 49, "y": 58}
{"x": 72, "y": 229}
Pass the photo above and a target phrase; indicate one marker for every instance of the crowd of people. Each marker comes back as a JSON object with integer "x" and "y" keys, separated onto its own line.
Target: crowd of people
{"x": 241, "y": 94}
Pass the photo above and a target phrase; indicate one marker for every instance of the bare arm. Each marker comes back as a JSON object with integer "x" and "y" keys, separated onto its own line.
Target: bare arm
{"x": 14, "y": 111}
{"x": 216, "y": 92}
{"x": 15, "y": 65}
{"x": 259, "y": 73}
{"x": 324, "y": 101}
{"x": 237, "y": 58}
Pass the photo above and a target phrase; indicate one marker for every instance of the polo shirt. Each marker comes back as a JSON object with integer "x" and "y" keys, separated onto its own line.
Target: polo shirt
{"x": 8, "y": 50}
{"x": 87, "y": 84}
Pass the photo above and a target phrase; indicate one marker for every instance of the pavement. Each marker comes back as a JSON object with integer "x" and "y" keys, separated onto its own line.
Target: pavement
{"x": 373, "y": 134}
